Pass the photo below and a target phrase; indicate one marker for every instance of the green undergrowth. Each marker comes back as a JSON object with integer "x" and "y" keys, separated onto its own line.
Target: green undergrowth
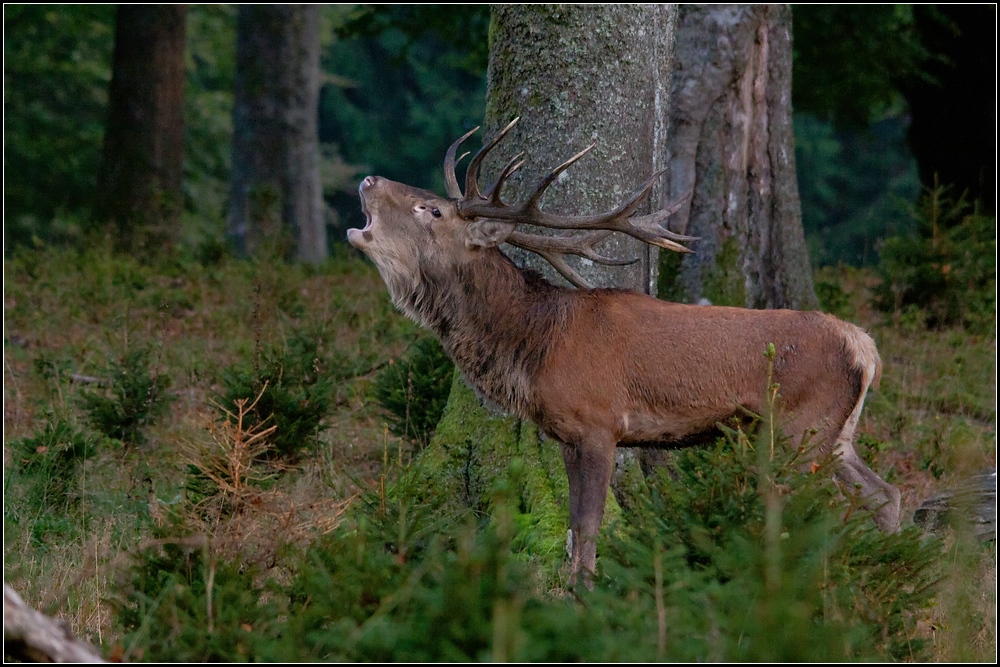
{"x": 414, "y": 390}
{"x": 732, "y": 557}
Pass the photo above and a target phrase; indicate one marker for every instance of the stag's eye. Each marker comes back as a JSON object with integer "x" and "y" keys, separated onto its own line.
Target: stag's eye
{"x": 436, "y": 212}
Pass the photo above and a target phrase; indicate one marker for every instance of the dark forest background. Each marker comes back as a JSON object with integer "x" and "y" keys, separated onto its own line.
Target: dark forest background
{"x": 888, "y": 100}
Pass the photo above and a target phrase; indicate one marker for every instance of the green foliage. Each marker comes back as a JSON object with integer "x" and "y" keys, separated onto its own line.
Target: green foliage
{"x": 57, "y": 67}
{"x": 210, "y": 64}
{"x": 414, "y": 390}
{"x": 854, "y": 187}
{"x": 180, "y": 605}
{"x": 460, "y": 26}
{"x": 51, "y": 460}
{"x": 134, "y": 398}
{"x": 761, "y": 563}
{"x": 832, "y": 298}
{"x": 732, "y": 557}
{"x": 874, "y": 48}
{"x": 299, "y": 383}
{"x": 947, "y": 270}
{"x": 410, "y": 80}
{"x": 43, "y": 485}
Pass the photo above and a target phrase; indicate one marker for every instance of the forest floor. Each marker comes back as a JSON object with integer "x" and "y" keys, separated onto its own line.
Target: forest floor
{"x": 71, "y": 320}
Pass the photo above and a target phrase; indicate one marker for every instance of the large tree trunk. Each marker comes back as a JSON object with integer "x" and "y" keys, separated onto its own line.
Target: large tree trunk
{"x": 276, "y": 199}
{"x": 139, "y": 186}
{"x": 731, "y": 145}
{"x": 577, "y": 75}
{"x": 574, "y": 75}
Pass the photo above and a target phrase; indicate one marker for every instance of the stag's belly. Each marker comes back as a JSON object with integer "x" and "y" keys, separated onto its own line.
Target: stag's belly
{"x": 652, "y": 429}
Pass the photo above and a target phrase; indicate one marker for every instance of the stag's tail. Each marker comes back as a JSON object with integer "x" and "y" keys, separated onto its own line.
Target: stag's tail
{"x": 862, "y": 349}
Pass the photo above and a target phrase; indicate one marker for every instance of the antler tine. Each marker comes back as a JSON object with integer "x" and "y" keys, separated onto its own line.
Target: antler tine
{"x": 536, "y": 196}
{"x": 555, "y": 253}
{"x": 582, "y": 245}
{"x": 471, "y": 175}
{"x": 493, "y": 194}
{"x": 647, "y": 228}
{"x": 567, "y": 271}
{"x": 656, "y": 220}
{"x": 554, "y": 249}
{"x": 450, "y": 179}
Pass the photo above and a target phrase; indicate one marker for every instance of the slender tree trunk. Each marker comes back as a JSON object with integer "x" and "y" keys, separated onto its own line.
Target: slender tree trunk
{"x": 731, "y": 145}
{"x": 276, "y": 203}
{"x": 139, "y": 185}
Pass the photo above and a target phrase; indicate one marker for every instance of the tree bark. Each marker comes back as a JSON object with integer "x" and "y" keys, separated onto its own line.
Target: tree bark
{"x": 276, "y": 200}
{"x": 731, "y": 145}
{"x": 139, "y": 186}
{"x": 576, "y": 75}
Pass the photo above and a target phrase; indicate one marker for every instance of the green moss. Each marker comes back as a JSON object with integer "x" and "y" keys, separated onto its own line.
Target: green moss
{"x": 723, "y": 284}
{"x": 668, "y": 283}
{"x": 545, "y": 491}
{"x": 461, "y": 461}
{"x": 474, "y": 450}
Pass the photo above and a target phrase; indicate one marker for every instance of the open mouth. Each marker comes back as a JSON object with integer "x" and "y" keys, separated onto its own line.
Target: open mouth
{"x": 357, "y": 237}
{"x": 364, "y": 206}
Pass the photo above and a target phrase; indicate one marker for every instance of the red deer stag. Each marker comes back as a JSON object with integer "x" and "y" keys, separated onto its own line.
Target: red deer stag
{"x": 598, "y": 368}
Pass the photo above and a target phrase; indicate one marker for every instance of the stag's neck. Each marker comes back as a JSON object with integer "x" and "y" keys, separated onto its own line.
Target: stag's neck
{"x": 496, "y": 321}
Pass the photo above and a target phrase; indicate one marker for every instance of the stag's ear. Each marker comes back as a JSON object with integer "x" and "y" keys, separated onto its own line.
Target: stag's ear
{"x": 488, "y": 233}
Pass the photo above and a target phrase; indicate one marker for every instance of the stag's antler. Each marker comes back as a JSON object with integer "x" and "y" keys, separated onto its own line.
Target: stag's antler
{"x": 474, "y": 204}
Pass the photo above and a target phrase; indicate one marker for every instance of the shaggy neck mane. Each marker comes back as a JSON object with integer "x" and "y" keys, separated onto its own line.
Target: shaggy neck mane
{"x": 499, "y": 353}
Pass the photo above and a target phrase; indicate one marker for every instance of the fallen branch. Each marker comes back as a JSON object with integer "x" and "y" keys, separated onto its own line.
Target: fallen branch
{"x": 31, "y": 636}
{"x": 972, "y": 502}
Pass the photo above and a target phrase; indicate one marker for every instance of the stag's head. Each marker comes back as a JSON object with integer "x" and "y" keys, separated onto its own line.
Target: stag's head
{"x": 412, "y": 233}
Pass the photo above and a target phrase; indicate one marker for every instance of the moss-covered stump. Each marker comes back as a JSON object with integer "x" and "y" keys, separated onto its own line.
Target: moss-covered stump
{"x": 475, "y": 450}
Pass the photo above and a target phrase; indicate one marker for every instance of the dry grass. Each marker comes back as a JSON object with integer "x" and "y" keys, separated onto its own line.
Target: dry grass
{"x": 77, "y": 310}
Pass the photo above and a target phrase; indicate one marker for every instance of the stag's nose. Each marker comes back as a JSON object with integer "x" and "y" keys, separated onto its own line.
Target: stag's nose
{"x": 368, "y": 182}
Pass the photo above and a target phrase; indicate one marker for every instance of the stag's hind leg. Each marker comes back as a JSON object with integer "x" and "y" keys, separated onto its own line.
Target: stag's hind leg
{"x": 835, "y": 435}
{"x": 877, "y": 495}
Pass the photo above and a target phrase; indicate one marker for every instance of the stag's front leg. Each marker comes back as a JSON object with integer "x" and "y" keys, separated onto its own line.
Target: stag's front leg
{"x": 588, "y": 466}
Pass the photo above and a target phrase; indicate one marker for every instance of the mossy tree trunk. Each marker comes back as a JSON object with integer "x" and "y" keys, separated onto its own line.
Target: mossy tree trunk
{"x": 276, "y": 200}
{"x": 731, "y": 145}
{"x": 139, "y": 183}
{"x": 574, "y": 75}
